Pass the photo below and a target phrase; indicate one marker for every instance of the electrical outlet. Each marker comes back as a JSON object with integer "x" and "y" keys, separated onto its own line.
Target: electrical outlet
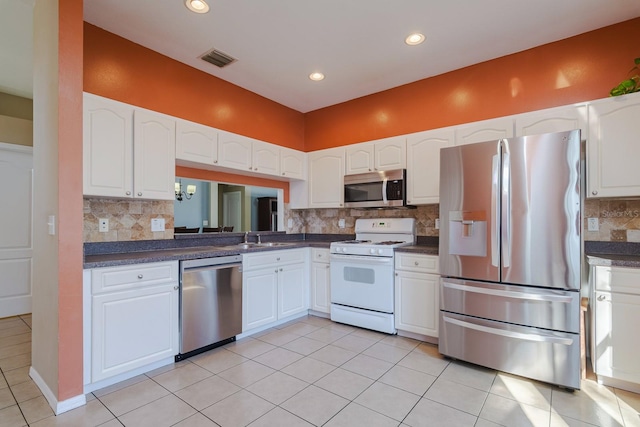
{"x": 437, "y": 223}
{"x": 341, "y": 223}
{"x": 103, "y": 225}
{"x": 290, "y": 223}
{"x": 592, "y": 224}
{"x": 157, "y": 224}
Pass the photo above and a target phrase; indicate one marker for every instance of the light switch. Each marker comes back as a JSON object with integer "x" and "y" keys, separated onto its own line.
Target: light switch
{"x": 290, "y": 223}
{"x": 157, "y": 224}
{"x": 437, "y": 223}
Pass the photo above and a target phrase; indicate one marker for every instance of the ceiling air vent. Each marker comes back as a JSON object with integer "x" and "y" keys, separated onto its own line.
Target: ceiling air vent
{"x": 217, "y": 58}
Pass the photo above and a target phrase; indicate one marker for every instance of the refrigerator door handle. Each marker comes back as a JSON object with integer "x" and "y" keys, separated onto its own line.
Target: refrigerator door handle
{"x": 510, "y": 294}
{"x": 506, "y": 208}
{"x": 495, "y": 207}
{"x": 510, "y": 334}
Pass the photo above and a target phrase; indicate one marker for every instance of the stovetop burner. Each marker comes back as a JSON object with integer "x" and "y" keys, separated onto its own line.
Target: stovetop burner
{"x": 390, "y": 242}
{"x": 353, "y": 242}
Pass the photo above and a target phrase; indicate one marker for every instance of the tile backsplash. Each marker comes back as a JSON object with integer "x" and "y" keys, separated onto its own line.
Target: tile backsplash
{"x": 618, "y": 220}
{"x": 128, "y": 219}
{"x": 327, "y": 220}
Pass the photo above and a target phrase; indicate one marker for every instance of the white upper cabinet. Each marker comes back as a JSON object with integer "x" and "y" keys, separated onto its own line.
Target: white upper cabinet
{"x": 553, "y": 120}
{"x": 326, "y": 178}
{"x": 154, "y": 152}
{"x": 247, "y": 154}
{"x": 234, "y": 151}
{"x": 612, "y": 147}
{"x": 423, "y": 165}
{"x": 107, "y": 147}
{"x": 196, "y": 143}
{"x": 293, "y": 164}
{"x": 486, "y": 130}
{"x": 383, "y": 154}
{"x": 265, "y": 158}
{"x": 128, "y": 152}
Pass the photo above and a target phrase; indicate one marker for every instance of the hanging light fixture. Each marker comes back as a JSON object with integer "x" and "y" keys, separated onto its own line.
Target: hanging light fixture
{"x": 181, "y": 194}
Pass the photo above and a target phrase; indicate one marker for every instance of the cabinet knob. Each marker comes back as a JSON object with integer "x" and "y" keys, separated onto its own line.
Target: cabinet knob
{"x": 327, "y": 266}
{"x": 275, "y": 271}
{"x": 601, "y": 297}
{"x": 278, "y": 259}
{"x": 140, "y": 276}
{"x": 215, "y": 161}
{"x": 396, "y": 274}
{"x": 282, "y": 173}
{"x": 416, "y": 263}
{"x": 175, "y": 288}
{"x": 128, "y": 193}
{"x": 250, "y": 168}
{"x": 280, "y": 269}
{"x": 139, "y": 193}
{"x": 594, "y": 192}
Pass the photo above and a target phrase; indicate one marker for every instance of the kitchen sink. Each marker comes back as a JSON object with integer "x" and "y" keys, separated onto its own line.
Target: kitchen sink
{"x": 270, "y": 244}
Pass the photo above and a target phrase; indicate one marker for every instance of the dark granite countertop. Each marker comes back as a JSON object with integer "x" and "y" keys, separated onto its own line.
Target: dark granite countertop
{"x": 419, "y": 249}
{"x": 109, "y": 254}
{"x": 619, "y": 254}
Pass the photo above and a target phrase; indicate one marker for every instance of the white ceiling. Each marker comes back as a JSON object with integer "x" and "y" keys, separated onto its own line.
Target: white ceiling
{"x": 358, "y": 44}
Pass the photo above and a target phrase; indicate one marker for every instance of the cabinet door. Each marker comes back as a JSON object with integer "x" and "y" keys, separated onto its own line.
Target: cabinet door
{"x": 423, "y": 165}
{"x": 293, "y": 296}
{"x": 107, "y": 147}
{"x": 616, "y": 317}
{"x": 320, "y": 287}
{"x": 265, "y": 158}
{"x": 359, "y": 158}
{"x": 326, "y": 178}
{"x": 196, "y": 143}
{"x": 154, "y": 156}
{"x": 390, "y": 153}
{"x": 487, "y": 130}
{"x": 612, "y": 148}
{"x": 259, "y": 298}
{"x": 132, "y": 329}
{"x": 417, "y": 303}
{"x": 292, "y": 164}
{"x": 234, "y": 151}
{"x": 553, "y": 120}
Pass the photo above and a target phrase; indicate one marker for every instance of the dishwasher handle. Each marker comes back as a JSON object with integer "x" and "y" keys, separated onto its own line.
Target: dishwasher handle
{"x": 210, "y": 262}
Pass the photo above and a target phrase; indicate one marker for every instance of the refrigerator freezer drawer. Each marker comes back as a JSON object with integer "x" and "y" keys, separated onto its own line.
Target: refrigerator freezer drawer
{"x": 538, "y": 307}
{"x": 552, "y": 357}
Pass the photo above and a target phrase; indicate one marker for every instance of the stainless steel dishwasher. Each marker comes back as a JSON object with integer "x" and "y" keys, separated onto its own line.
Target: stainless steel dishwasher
{"x": 210, "y": 303}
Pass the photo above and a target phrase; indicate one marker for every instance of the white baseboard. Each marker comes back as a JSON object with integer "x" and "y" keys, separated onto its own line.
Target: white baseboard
{"x": 58, "y": 407}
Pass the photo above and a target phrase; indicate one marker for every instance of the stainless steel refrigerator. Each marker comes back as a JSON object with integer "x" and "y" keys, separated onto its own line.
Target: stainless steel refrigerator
{"x": 510, "y": 255}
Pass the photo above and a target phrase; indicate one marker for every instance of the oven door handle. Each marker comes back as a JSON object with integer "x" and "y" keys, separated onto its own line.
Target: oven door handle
{"x": 361, "y": 259}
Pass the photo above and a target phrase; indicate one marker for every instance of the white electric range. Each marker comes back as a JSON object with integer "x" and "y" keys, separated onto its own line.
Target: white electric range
{"x": 362, "y": 273}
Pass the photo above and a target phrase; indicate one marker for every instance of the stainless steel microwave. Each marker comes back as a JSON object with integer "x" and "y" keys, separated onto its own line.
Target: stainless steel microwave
{"x": 385, "y": 189}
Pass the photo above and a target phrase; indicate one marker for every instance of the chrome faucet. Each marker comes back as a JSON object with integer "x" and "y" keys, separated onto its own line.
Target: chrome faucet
{"x": 246, "y": 236}
{"x": 259, "y": 241}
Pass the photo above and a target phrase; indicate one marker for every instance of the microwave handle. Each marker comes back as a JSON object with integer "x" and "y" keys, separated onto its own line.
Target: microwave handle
{"x": 384, "y": 191}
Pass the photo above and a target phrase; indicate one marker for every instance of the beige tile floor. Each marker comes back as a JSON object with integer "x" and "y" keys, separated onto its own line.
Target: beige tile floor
{"x": 311, "y": 372}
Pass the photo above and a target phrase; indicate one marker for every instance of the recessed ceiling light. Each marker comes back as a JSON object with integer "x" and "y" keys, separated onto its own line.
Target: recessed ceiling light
{"x": 414, "y": 39}
{"x": 197, "y": 6}
{"x": 316, "y": 77}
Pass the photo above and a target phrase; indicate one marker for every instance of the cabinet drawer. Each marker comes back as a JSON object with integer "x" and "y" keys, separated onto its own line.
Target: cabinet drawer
{"x": 110, "y": 279}
{"x": 417, "y": 262}
{"x": 265, "y": 259}
{"x": 319, "y": 255}
{"x": 617, "y": 279}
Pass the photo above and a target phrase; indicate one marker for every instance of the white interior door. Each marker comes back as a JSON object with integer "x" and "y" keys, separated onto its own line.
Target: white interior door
{"x": 16, "y": 247}
{"x": 232, "y": 210}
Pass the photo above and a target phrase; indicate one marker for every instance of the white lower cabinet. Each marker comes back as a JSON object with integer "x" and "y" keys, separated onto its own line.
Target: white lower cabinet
{"x": 274, "y": 286}
{"x": 320, "y": 281}
{"x": 417, "y": 301}
{"x": 134, "y": 317}
{"x": 616, "y": 314}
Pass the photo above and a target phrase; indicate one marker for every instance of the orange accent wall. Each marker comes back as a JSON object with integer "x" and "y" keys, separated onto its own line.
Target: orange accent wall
{"x": 580, "y": 68}
{"x": 70, "y": 214}
{"x": 119, "y": 69}
{"x": 208, "y": 175}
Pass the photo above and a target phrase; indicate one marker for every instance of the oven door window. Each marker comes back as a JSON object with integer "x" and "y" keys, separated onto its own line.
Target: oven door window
{"x": 359, "y": 275}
